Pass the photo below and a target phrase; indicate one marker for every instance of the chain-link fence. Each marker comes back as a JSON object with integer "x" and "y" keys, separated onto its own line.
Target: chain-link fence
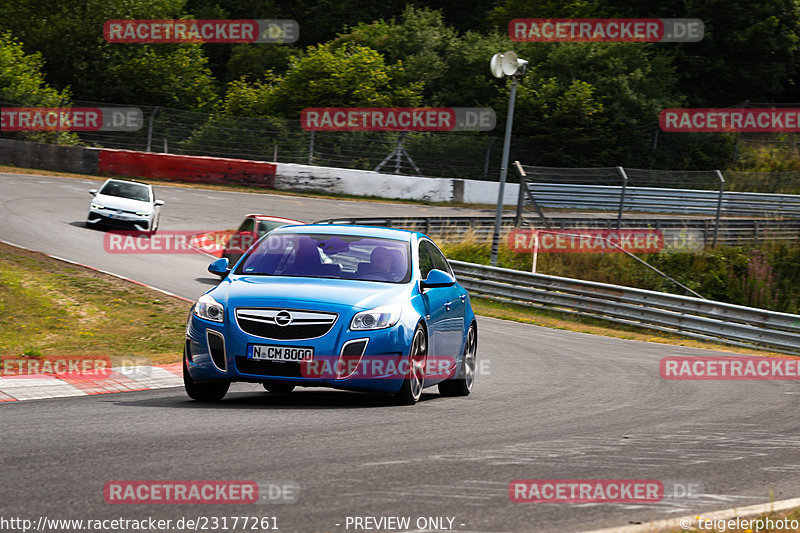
{"x": 471, "y": 155}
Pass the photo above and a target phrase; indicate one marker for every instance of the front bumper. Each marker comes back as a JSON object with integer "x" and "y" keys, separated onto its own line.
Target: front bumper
{"x": 220, "y": 352}
{"x": 129, "y": 221}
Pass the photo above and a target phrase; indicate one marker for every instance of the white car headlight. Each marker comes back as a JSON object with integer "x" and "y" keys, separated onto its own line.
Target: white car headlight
{"x": 209, "y": 309}
{"x": 143, "y": 214}
{"x": 96, "y": 206}
{"x": 378, "y": 318}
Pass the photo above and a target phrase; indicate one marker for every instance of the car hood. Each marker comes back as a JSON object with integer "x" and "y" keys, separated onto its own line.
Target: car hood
{"x": 314, "y": 293}
{"x": 116, "y": 202}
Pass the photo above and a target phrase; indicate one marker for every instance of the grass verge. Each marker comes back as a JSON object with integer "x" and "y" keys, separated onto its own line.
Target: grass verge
{"x": 52, "y": 308}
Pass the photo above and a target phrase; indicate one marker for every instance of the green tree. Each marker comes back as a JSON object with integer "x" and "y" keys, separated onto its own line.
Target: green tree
{"x": 453, "y": 66}
{"x": 69, "y": 36}
{"x": 22, "y": 84}
{"x": 326, "y": 75}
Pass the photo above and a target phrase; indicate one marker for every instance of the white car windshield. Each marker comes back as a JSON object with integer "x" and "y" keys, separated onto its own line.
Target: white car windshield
{"x": 132, "y": 191}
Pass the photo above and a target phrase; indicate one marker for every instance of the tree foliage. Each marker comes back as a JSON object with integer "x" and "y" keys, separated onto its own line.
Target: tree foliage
{"x": 22, "y": 84}
{"x": 349, "y": 75}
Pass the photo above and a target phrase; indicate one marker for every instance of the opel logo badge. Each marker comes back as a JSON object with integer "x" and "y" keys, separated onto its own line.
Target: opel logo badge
{"x": 283, "y": 318}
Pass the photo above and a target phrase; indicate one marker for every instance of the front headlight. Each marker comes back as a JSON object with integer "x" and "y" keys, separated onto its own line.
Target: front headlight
{"x": 96, "y": 206}
{"x": 209, "y": 309}
{"x": 378, "y": 318}
{"x": 143, "y": 214}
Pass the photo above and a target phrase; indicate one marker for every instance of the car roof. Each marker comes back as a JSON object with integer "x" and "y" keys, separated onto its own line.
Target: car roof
{"x": 128, "y": 181}
{"x": 273, "y": 219}
{"x": 347, "y": 229}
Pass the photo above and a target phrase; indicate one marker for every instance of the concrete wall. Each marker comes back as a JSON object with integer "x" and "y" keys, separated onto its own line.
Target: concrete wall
{"x": 48, "y": 156}
{"x": 217, "y": 170}
{"x": 362, "y": 183}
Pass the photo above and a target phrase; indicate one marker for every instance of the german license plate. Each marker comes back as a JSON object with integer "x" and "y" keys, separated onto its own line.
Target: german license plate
{"x": 292, "y": 354}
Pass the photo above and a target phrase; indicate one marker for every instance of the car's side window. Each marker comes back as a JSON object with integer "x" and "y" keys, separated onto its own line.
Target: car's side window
{"x": 426, "y": 263}
{"x": 439, "y": 260}
{"x": 247, "y": 225}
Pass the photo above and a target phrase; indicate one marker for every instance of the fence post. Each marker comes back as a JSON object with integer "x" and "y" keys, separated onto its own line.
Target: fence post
{"x": 150, "y": 128}
{"x": 488, "y": 155}
{"x": 624, "y": 177}
{"x": 719, "y": 206}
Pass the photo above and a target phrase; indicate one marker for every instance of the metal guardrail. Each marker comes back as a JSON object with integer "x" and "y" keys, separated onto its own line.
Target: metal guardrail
{"x": 652, "y": 199}
{"x": 697, "y": 230}
{"x": 681, "y": 315}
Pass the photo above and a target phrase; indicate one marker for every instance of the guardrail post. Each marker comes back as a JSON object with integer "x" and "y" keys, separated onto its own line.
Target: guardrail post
{"x": 624, "y": 177}
{"x": 521, "y": 194}
{"x": 719, "y": 205}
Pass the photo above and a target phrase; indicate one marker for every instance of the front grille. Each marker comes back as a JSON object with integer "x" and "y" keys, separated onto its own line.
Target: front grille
{"x": 119, "y": 224}
{"x": 268, "y": 368}
{"x": 300, "y": 324}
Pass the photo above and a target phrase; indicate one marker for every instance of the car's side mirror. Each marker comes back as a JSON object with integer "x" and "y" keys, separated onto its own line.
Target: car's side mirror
{"x": 437, "y": 278}
{"x": 220, "y": 266}
{"x": 159, "y": 202}
{"x": 92, "y": 191}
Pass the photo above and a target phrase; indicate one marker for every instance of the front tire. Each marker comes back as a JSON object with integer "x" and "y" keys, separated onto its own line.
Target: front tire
{"x": 203, "y": 392}
{"x": 414, "y": 380}
{"x": 461, "y": 385}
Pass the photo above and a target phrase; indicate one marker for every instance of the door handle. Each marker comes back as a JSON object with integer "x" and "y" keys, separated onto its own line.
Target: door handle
{"x": 463, "y": 298}
{"x": 447, "y": 306}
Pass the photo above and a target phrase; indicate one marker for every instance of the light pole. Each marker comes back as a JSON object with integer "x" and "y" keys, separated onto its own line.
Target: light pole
{"x": 504, "y": 65}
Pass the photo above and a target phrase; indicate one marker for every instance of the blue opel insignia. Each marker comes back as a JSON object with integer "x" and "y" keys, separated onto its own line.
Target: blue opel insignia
{"x": 349, "y": 307}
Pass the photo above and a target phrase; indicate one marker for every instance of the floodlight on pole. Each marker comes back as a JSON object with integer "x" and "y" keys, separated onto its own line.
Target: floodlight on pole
{"x": 507, "y": 64}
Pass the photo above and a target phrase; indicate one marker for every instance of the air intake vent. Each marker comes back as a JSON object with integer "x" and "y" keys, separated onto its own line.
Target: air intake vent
{"x": 216, "y": 345}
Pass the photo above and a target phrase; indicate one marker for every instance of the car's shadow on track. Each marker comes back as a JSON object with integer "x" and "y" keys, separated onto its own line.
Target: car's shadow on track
{"x": 209, "y": 281}
{"x": 303, "y": 399}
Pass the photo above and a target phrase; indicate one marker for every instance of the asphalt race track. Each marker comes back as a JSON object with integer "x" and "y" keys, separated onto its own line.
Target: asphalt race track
{"x": 549, "y": 404}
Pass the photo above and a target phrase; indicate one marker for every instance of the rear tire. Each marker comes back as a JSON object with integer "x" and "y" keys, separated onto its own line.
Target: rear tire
{"x": 203, "y": 392}
{"x": 414, "y": 380}
{"x": 277, "y": 386}
{"x": 461, "y": 385}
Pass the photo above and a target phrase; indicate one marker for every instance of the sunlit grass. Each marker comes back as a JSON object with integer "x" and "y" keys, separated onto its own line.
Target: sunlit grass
{"x": 51, "y": 308}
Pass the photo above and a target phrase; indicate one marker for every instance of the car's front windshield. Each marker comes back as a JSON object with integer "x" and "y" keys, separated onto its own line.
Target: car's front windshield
{"x": 121, "y": 189}
{"x": 317, "y": 255}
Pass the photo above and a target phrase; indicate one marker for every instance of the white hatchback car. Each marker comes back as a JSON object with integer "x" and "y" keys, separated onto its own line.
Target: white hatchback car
{"x": 124, "y": 204}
